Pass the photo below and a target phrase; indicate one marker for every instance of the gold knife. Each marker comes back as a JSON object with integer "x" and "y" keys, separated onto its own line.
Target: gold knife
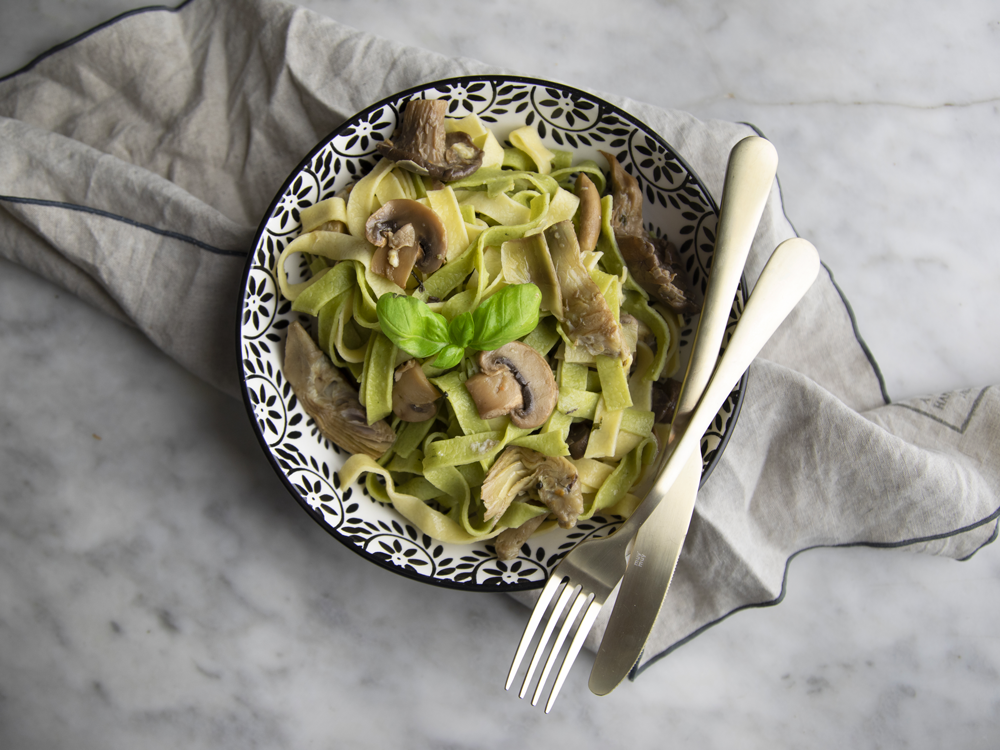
{"x": 749, "y": 176}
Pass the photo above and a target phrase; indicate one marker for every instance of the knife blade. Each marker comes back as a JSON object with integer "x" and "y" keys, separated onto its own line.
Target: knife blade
{"x": 657, "y": 546}
{"x": 790, "y": 271}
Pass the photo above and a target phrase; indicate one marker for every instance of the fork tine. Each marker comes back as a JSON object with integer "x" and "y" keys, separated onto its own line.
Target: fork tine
{"x": 564, "y": 631}
{"x": 548, "y": 591}
{"x": 589, "y": 618}
{"x": 557, "y": 609}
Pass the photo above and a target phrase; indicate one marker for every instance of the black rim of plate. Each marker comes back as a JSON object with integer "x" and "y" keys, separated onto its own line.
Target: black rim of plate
{"x": 316, "y": 515}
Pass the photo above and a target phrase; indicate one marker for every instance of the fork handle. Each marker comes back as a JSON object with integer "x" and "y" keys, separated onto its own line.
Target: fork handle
{"x": 749, "y": 176}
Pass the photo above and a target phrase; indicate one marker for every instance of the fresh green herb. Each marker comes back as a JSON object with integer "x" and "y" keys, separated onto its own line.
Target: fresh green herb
{"x": 450, "y": 356}
{"x": 508, "y": 315}
{"x": 462, "y": 329}
{"x": 411, "y": 325}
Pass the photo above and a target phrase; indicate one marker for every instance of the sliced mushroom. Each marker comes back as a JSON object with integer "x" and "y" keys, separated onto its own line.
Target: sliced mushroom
{"x": 579, "y": 436}
{"x": 513, "y": 368}
{"x": 408, "y": 235}
{"x": 664, "y": 399}
{"x": 552, "y": 479}
{"x": 495, "y": 394}
{"x": 587, "y": 318}
{"x": 656, "y": 266}
{"x": 654, "y": 263}
{"x": 589, "y": 228}
{"x": 413, "y": 395}
{"x": 626, "y": 207}
{"x": 510, "y": 541}
{"x": 330, "y": 399}
{"x": 420, "y": 144}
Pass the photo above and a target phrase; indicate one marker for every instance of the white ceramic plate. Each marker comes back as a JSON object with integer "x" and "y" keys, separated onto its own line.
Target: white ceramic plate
{"x": 676, "y": 204}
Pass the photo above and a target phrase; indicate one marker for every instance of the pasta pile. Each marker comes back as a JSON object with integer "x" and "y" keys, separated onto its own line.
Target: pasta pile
{"x": 496, "y": 223}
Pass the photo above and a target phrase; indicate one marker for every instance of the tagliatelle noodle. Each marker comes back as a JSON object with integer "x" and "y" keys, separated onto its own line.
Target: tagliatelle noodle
{"x": 494, "y": 221}
{"x": 430, "y": 521}
{"x": 362, "y": 202}
{"x": 330, "y": 209}
{"x": 588, "y": 167}
{"x": 445, "y": 205}
{"x": 624, "y": 476}
{"x": 527, "y": 140}
{"x": 332, "y": 282}
{"x": 334, "y": 323}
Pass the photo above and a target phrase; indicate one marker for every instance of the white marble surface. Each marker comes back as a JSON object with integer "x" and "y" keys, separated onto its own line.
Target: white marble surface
{"x": 158, "y": 588}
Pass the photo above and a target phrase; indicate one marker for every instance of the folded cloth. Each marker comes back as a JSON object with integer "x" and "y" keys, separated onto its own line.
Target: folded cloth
{"x": 137, "y": 161}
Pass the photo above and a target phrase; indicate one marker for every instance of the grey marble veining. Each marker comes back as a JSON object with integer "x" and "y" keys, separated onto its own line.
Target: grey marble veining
{"x": 159, "y": 589}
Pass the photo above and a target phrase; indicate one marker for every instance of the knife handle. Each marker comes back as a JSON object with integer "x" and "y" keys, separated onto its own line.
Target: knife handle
{"x": 787, "y": 276}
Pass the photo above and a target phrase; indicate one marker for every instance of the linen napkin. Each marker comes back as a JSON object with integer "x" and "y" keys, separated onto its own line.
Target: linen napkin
{"x": 137, "y": 160}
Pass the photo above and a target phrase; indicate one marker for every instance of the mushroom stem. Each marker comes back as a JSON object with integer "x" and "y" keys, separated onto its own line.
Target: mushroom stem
{"x": 509, "y": 541}
{"x": 422, "y": 131}
{"x": 408, "y": 235}
{"x": 495, "y": 394}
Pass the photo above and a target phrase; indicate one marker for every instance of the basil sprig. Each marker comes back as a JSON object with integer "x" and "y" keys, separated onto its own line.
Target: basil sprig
{"x": 416, "y": 329}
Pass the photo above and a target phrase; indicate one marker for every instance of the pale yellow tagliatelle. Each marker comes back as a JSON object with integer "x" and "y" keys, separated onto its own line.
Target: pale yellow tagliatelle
{"x": 433, "y": 472}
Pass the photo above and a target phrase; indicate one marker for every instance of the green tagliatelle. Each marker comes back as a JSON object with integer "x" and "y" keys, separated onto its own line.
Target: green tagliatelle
{"x": 497, "y": 283}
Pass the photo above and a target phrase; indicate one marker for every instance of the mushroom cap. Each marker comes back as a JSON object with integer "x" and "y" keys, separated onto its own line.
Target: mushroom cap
{"x": 539, "y": 392}
{"x": 420, "y": 144}
{"x": 413, "y": 395}
{"x": 400, "y": 224}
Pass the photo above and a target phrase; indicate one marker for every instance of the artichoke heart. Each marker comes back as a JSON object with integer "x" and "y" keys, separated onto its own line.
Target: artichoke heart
{"x": 330, "y": 399}
{"x": 554, "y": 480}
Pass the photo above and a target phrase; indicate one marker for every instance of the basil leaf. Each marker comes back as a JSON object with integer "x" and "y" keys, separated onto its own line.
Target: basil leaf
{"x": 461, "y": 329}
{"x": 450, "y": 356}
{"x": 508, "y": 315}
{"x": 411, "y": 325}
